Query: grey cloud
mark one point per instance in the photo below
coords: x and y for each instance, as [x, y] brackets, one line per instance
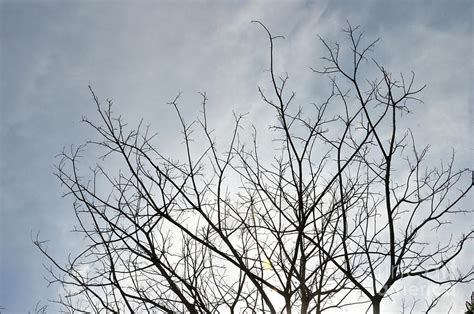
[142, 54]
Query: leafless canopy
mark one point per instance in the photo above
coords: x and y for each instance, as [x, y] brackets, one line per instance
[343, 211]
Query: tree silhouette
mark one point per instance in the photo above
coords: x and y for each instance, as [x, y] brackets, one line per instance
[343, 211]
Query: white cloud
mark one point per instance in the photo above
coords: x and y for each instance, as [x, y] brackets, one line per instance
[142, 54]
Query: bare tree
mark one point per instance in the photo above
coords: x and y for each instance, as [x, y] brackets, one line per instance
[224, 230]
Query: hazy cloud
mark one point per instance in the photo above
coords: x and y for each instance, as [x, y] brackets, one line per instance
[142, 53]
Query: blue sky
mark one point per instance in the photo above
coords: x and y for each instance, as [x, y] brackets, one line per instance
[142, 53]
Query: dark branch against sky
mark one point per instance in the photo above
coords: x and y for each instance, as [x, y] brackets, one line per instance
[142, 54]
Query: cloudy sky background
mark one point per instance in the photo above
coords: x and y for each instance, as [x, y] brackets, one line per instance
[142, 54]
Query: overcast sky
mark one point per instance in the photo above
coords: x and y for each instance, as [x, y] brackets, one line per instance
[142, 54]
